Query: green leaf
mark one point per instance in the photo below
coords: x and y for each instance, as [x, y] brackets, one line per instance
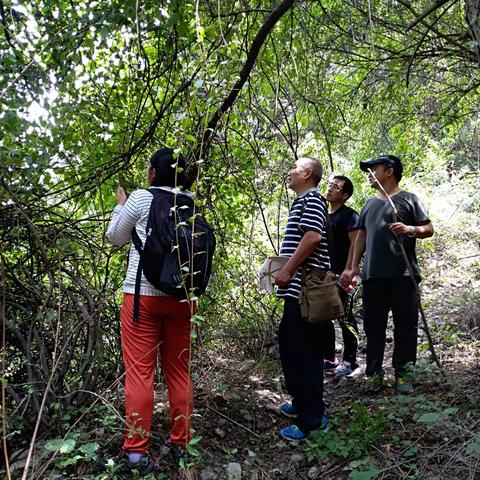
[430, 417]
[61, 445]
[473, 447]
[450, 411]
[370, 474]
[89, 450]
[68, 461]
[194, 440]
[411, 452]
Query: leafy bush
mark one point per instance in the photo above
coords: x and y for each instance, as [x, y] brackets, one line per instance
[68, 452]
[352, 434]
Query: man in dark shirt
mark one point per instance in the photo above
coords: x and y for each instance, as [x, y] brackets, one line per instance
[344, 221]
[385, 276]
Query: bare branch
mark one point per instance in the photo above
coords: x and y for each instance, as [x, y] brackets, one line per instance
[252, 55]
[430, 9]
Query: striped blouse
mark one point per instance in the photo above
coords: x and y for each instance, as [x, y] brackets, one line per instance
[308, 212]
[124, 218]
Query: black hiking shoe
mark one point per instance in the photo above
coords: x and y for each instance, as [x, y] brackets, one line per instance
[126, 468]
[178, 453]
[374, 383]
[403, 386]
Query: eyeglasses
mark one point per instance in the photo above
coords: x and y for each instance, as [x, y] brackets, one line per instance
[335, 187]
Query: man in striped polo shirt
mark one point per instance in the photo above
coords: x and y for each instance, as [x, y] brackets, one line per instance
[301, 351]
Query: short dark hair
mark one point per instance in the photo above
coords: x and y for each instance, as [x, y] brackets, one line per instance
[347, 185]
[166, 174]
[397, 167]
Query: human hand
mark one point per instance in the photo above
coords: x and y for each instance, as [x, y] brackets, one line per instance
[283, 277]
[400, 228]
[121, 196]
[346, 278]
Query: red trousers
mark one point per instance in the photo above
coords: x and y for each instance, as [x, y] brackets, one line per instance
[163, 326]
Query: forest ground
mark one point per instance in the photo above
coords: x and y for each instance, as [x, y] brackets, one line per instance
[432, 434]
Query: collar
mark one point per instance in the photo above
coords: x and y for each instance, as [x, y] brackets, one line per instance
[313, 189]
[337, 209]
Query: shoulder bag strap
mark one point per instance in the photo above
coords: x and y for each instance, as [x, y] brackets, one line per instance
[328, 229]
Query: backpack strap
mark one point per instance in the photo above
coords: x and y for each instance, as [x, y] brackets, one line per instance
[137, 243]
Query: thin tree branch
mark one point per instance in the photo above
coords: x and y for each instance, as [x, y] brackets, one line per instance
[428, 29]
[3, 379]
[470, 53]
[430, 9]
[252, 55]
[3, 22]
[55, 362]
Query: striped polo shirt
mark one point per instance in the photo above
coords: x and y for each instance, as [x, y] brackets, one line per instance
[134, 214]
[308, 212]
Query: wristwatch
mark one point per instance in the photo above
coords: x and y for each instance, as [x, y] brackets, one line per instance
[413, 234]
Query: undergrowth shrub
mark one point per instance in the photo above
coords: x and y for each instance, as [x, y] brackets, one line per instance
[352, 434]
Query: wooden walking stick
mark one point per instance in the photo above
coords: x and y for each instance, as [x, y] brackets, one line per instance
[412, 276]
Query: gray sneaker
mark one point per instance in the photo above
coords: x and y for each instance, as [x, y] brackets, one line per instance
[403, 386]
[344, 369]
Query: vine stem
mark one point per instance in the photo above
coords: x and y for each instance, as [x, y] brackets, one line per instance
[412, 276]
[233, 421]
[4, 376]
[55, 362]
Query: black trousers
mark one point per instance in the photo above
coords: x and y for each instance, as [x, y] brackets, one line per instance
[379, 297]
[349, 334]
[301, 354]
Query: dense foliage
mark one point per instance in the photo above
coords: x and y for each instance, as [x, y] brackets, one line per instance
[90, 89]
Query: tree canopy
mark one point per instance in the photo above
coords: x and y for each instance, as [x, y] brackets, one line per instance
[89, 90]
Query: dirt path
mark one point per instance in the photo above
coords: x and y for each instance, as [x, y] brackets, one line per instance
[238, 419]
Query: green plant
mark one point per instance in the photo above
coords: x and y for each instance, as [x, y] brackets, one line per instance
[193, 454]
[69, 452]
[423, 370]
[369, 474]
[352, 434]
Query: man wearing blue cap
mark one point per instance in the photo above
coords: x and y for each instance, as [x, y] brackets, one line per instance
[385, 275]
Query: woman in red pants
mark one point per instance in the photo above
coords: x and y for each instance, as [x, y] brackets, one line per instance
[163, 325]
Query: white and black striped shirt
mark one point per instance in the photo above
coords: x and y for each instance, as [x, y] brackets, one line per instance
[124, 218]
[308, 212]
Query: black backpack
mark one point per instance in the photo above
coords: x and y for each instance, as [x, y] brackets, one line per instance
[178, 252]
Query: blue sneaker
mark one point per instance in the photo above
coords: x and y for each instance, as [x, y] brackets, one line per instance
[292, 432]
[324, 426]
[346, 369]
[288, 410]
